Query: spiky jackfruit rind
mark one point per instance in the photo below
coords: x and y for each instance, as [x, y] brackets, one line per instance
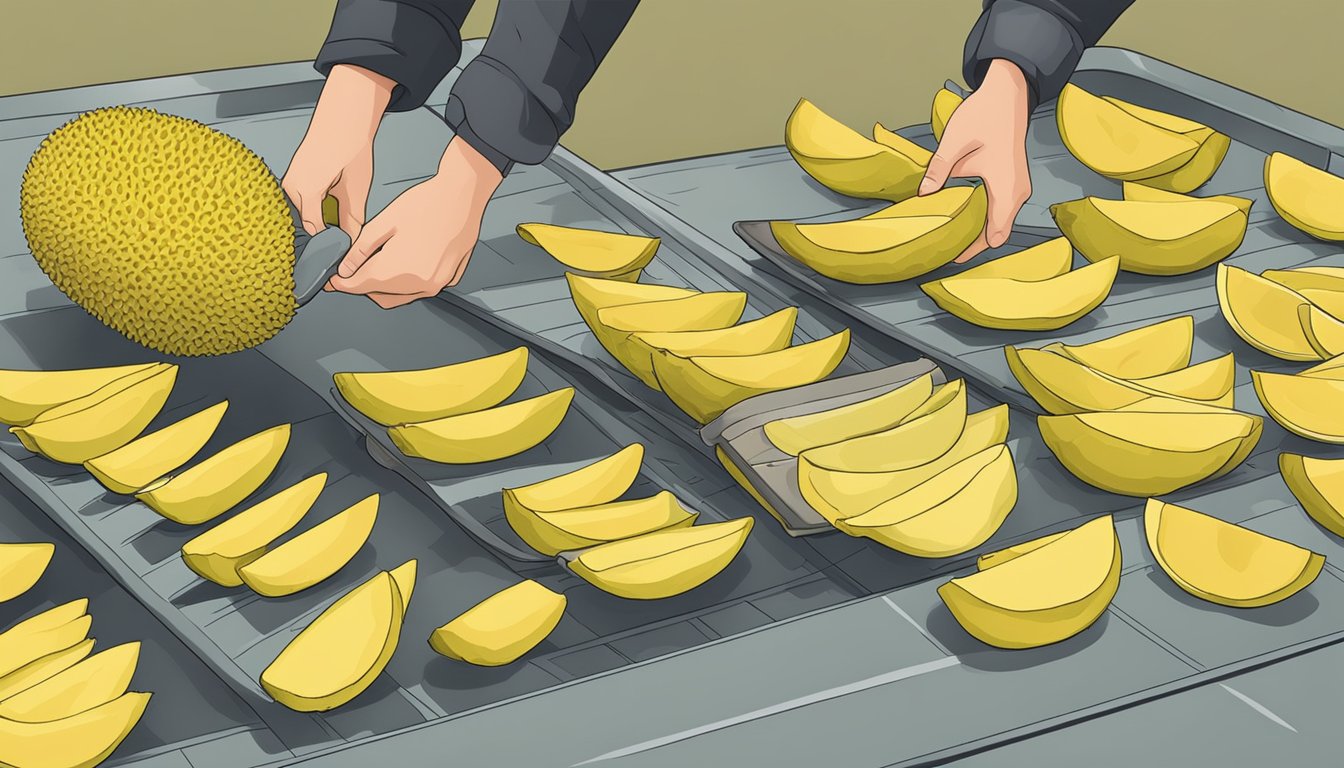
[168, 231]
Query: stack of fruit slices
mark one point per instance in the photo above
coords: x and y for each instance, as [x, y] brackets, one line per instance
[885, 167]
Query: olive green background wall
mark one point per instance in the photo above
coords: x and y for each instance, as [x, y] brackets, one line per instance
[693, 77]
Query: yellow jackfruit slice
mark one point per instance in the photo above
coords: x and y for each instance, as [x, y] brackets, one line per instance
[1309, 406]
[1044, 596]
[89, 683]
[894, 244]
[591, 294]
[702, 312]
[103, 426]
[1322, 286]
[704, 387]
[796, 434]
[1138, 354]
[113, 387]
[39, 636]
[1115, 143]
[1324, 332]
[215, 485]
[1264, 314]
[1141, 192]
[845, 161]
[945, 102]
[592, 252]
[766, 334]
[1152, 238]
[1225, 563]
[1150, 453]
[837, 495]
[663, 563]
[597, 483]
[1164, 120]
[1318, 485]
[21, 565]
[26, 394]
[948, 514]
[488, 435]
[140, 462]
[1305, 196]
[1007, 554]
[314, 555]
[342, 651]
[551, 533]
[52, 618]
[911, 443]
[79, 741]
[1008, 304]
[1042, 261]
[1062, 385]
[406, 397]
[40, 670]
[501, 628]
[218, 553]
[1198, 170]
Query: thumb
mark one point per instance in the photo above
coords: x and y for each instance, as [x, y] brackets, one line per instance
[352, 196]
[940, 168]
[371, 238]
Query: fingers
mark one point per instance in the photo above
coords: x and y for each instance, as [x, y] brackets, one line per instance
[371, 239]
[308, 201]
[974, 249]
[1006, 198]
[940, 168]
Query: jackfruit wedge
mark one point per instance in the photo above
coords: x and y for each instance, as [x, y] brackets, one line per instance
[1114, 142]
[142, 461]
[1044, 596]
[1062, 385]
[1165, 120]
[1305, 196]
[26, 394]
[102, 393]
[89, 683]
[218, 553]
[1198, 170]
[1007, 554]
[910, 444]
[1318, 485]
[1322, 286]
[704, 387]
[1324, 333]
[52, 618]
[40, 670]
[405, 397]
[79, 741]
[948, 514]
[1152, 350]
[1042, 261]
[404, 577]
[1330, 369]
[101, 427]
[945, 102]
[845, 161]
[1264, 314]
[1152, 238]
[591, 294]
[215, 485]
[702, 312]
[551, 533]
[1008, 304]
[596, 483]
[34, 638]
[837, 495]
[1150, 453]
[894, 244]
[590, 251]
[488, 435]
[21, 565]
[342, 651]
[796, 434]
[501, 628]
[663, 563]
[1310, 406]
[1226, 563]
[766, 334]
[1141, 192]
[314, 555]
[944, 394]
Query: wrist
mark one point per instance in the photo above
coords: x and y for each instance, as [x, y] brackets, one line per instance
[355, 98]
[462, 163]
[1005, 77]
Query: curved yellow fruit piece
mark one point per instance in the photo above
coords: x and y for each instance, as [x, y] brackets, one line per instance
[218, 483]
[1264, 314]
[342, 651]
[1044, 596]
[405, 397]
[1149, 453]
[553, 532]
[24, 395]
[119, 384]
[663, 563]
[314, 555]
[1042, 261]
[404, 577]
[591, 251]
[895, 244]
[79, 741]
[1318, 485]
[948, 201]
[702, 312]
[52, 618]
[1198, 170]
[1135, 191]
[34, 638]
[501, 628]
[140, 462]
[910, 444]
[945, 102]
[1152, 238]
[21, 565]
[104, 426]
[218, 553]
[704, 387]
[489, 435]
[591, 294]
[948, 514]
[1305, 196]
[83, 685]
[40, 670]
[796, 434]
[1164, 120]
[1062, 385]
[1330, 369]
[1309, 406]
[1322, 286]
[766, 334]
[1008, 554]
[596, 483]
[1225, 563]
[849, 163]
[1115, 143]
[1324, 333]
[1138, 354]
[1008, 304]
[837, 495]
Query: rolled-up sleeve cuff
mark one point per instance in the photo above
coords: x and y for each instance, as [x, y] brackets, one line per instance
[399, 42]
[499, 117]
[1044, 46]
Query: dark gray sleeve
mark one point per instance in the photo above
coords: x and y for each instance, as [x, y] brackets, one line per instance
[515, 100]
[1044, 38]
[414, 43]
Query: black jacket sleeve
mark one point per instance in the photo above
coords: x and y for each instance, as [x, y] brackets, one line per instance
[1044, 38]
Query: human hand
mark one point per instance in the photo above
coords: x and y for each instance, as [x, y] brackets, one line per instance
[336, 155]
[986, 137]
[421, 242]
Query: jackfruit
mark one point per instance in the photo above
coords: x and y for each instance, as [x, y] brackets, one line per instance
[168, 231]
[502, 627]
[702, 312]
[915, 440]
[1151, 350]
[945, 102]
[21, 565]
[24, 395]
[796, 434]
[1318, 485]
[1304, 405]
[1264, 314]
[1062, 385]
[489, 435]
[1114, 142]
[614, 255]
[208, 489]
[139, 463]
[766, 334]
[1322, 286]
[405, 397]
[847, 162]
[663, 563]
[81, 740]
[1007, 303]
[1153, 238]
[1305, 196]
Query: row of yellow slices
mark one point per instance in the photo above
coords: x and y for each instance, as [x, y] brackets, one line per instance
[60, 707]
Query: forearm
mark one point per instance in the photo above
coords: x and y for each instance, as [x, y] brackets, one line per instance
[354, 97]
